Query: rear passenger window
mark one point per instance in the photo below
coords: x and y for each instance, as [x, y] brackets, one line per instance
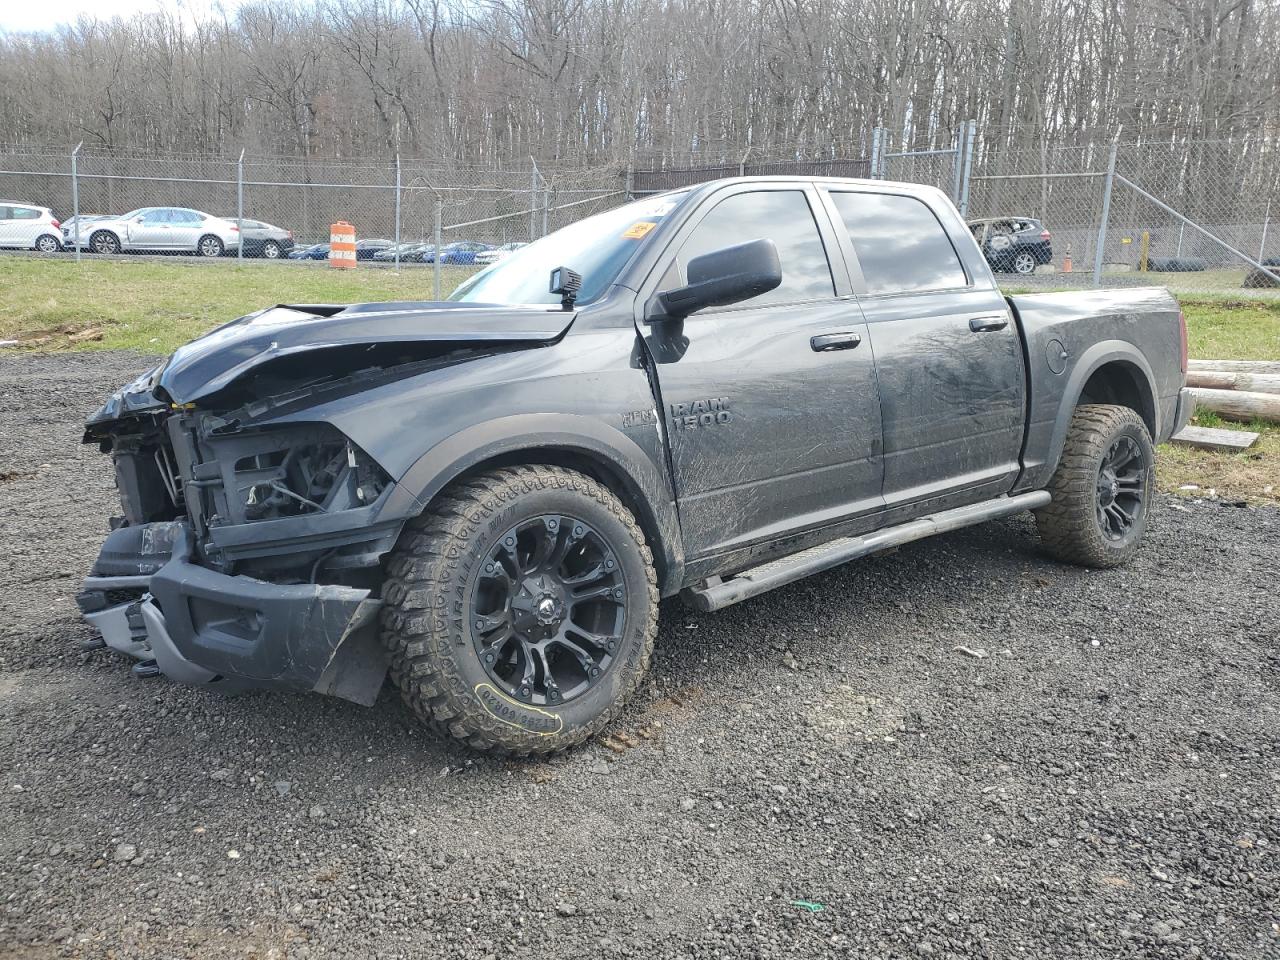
[900, 244]
[26, 213]
[782, 216]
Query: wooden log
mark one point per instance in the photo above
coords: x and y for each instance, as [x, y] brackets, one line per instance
[1236, 366]
[1226, 380]
[1211, 438]
[1235, 405]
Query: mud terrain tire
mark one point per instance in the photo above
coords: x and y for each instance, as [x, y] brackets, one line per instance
[436, 575]
[1079, 525]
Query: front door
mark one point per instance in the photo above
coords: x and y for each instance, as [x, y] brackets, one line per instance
[150, 230]
[771, 405]
[948, 355]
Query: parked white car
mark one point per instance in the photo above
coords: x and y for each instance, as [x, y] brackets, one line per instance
[160, 230]
[28, 227]
[497, 253]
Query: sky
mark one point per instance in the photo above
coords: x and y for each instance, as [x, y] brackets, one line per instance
[18, 16]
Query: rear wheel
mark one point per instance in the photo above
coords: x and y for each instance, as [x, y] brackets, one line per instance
[520, 611]
[271, 250]
[48, 243]
[209, 246]
[1024, 263]
[105, 243]
[1101, 489]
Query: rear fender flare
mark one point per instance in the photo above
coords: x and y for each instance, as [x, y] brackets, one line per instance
[1089, 362]
[648, 490]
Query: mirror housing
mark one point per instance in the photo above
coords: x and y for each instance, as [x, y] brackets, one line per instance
[722, 277]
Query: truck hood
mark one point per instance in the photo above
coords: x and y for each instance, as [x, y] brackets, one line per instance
[335, 334]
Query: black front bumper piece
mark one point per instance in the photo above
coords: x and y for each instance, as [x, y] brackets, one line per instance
[232, 633]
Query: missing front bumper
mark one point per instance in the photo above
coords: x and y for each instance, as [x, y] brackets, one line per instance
[150, 602]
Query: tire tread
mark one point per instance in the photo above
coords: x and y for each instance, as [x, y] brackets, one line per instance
[414, 624]
[1068, 526]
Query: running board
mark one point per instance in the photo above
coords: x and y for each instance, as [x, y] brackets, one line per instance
[715, 594]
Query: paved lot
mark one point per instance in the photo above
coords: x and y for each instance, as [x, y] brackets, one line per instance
[1105, 782]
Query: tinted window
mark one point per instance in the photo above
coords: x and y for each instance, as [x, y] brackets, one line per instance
[899, 242]
[181, 215]
[6, 213]
[782, 216]
[26, 213]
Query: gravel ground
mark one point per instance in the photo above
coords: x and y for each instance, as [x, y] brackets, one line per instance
[1102, 783]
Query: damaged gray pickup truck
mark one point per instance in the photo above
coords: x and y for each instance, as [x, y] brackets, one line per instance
[710, 393]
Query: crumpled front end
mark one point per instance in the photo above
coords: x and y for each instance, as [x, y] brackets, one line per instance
[197, 626]
[248, 553]
[253, 528]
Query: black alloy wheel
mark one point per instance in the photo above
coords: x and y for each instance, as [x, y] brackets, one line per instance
[549, 604]
[520, 610]
[1122, 477]
[1102, 488]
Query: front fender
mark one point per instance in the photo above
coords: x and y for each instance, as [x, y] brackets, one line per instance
[564, 433]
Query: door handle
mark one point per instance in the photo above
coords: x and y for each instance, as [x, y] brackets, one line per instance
[835, 341]
[987, 324]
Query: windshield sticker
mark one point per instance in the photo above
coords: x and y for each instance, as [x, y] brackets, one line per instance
[638, 230]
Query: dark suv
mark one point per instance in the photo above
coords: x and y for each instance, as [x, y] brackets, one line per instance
[1013, 244]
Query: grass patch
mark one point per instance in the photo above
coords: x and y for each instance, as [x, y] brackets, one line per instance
[1251, 475]
[1222, 328]
[1226, 328]
[157, 306]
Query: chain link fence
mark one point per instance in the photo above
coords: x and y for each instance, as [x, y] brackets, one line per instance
[402, 209]
[1195, 217]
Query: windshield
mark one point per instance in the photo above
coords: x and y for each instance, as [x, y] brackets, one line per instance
[597, 247]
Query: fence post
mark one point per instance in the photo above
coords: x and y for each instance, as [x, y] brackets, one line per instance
[1266, 222]
[397, 209]
[533, 201]
[240, 206]
[876, 133]
[546, 206]
[958, 172]
[1106, 213]
[75, 193]
[436, 259]
[966, 173]
[631, 181]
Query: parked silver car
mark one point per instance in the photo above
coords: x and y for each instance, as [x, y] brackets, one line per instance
[161, 230]
[28, 227]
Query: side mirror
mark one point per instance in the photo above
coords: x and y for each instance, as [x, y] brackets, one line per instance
[721, 277]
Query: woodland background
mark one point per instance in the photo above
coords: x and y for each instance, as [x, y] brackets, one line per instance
[613, 82]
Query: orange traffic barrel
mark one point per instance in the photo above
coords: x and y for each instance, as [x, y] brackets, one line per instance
[342, 245]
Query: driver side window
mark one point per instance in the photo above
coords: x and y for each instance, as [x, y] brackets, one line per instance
[782, 216]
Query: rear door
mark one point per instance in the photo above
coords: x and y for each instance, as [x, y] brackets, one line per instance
[7, 226]
[771, 407]
[185, 228]
[948, 355]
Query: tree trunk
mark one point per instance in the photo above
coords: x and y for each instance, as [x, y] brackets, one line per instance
[1234, 366]
[1234, 405]
[1226, 380]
